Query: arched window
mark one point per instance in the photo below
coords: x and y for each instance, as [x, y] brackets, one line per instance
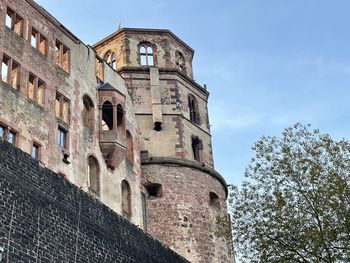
[107, 56]
[111, 58]
[107, 116]
[193, 108]
[129, 148]
[88, 112]
[180, 61]
[146, 54]
[126, 199]
[93, 176]
[214, 201]
[114, 61]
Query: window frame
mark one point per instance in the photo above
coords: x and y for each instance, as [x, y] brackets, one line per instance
[6, 131]
[39, 37]
[61, 130]
[10, 68]
[197, 148]
[36, 85]
[126, 207]
[38, 146]
[60, 57]
[193, 109]
[60, 115]
[146, 54]
[14, 17]
[95, 192]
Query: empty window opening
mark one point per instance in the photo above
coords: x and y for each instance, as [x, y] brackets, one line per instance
[88, 112]
[14, 22]
[10, 72]
[180, 61]
[62, 56]
[62, 107]
[196, 148]
[214, 200]
[126, 199]
[146, 55]
[38, 41]
[154, 190]
[62, 137]
[129, 148]
[35, 151]
[193, 108]
[36, 89]
[107, 116]
[157, 126]
[93, 176]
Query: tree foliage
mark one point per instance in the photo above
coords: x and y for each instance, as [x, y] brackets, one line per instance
[294, 205]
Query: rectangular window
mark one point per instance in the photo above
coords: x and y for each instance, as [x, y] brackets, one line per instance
[62, 107]
[62, 137]
[10, 72]
[11, 137]
[38, 41]
[14, 22]
[62, 56]
[36, 89]
[196, 148]
[35, 151]
[8, 135]
[2, 132]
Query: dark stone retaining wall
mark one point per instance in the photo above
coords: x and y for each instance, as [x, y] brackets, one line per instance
[45, 218]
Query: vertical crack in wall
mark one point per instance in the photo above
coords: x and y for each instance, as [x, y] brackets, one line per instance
[9, 235]
[78, 227]
[38, 237]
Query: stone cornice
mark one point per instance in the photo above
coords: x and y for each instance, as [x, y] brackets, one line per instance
[187, 163]
[174, 71]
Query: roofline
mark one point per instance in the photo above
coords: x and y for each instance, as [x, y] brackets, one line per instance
[143, 30]
[54, 21]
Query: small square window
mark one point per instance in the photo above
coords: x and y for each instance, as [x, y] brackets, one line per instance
[62, 137]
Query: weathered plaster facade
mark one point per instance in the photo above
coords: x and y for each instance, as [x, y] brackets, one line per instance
[126, 110]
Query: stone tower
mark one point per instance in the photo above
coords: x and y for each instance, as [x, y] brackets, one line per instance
[183, 196]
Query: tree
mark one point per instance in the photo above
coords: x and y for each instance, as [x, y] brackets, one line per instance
[294, 205]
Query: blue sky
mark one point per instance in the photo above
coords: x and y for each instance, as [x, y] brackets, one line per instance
[267, 64]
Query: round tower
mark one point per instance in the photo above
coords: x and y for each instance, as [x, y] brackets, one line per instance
[184, 197]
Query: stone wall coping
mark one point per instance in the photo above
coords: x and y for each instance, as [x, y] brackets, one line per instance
[187, 163]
